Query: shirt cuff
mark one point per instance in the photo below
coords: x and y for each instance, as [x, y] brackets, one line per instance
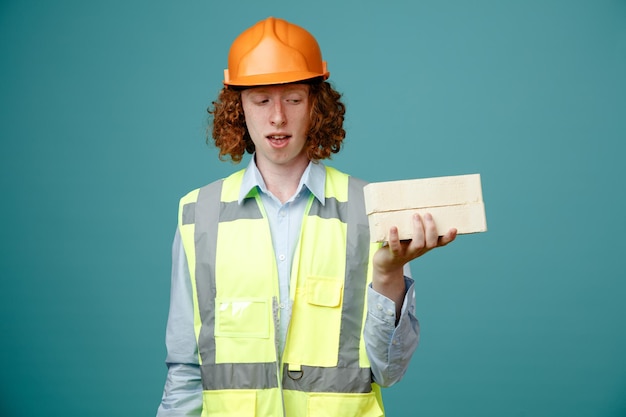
[384, 308]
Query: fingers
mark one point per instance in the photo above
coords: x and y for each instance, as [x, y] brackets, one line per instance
[447, 238]
[418, 232]
[430, 231]
[425, 235]
[394, 240]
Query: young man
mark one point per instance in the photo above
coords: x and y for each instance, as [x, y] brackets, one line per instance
[280, 305]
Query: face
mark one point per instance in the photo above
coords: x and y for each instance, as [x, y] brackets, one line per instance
[278, 119]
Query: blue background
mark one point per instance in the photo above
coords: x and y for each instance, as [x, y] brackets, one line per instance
[102, 126]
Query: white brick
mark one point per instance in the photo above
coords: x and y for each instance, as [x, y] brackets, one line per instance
[454, 201]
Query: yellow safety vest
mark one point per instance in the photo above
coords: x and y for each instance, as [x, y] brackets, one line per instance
[324, 369]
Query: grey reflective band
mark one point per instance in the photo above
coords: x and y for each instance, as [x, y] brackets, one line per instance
[316, 379]
[209, 212]
[239, 376]
[189, 213]
[232, 211]
[357, 260]
[348, 376]
[332, 209]
[205, 237]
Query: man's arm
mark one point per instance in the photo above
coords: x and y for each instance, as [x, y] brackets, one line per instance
[391, 329]
[182, 395]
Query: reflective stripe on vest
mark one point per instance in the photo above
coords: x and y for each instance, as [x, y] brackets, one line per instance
[213, 210]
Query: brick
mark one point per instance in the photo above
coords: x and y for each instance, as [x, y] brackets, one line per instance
[453, 201]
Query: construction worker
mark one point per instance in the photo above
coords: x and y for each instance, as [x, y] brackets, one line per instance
[280, 305]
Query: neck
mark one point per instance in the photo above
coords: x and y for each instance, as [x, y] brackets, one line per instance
[282, 181]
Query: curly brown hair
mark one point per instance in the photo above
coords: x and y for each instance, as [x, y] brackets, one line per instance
[325, 133]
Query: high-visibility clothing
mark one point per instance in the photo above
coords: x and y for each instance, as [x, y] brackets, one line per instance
[324, 369]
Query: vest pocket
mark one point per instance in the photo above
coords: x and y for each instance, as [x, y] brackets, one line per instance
[242, 317]
[325, 292]
[244, 330]
[313, 337]
[227, 403]
[344, 405]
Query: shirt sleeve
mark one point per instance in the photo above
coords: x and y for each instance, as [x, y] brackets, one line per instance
[390, 347]
[182, 395]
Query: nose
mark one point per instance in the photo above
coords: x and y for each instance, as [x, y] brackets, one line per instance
[277, 118]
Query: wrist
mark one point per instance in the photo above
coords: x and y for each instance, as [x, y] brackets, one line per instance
[389, 282]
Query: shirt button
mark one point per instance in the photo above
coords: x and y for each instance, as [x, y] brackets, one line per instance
[281, 257]
[379, 307]
[389, 312]
[281, 305]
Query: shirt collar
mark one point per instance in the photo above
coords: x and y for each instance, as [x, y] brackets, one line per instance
[313, 178]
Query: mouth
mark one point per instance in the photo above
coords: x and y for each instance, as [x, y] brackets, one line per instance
[278, 140]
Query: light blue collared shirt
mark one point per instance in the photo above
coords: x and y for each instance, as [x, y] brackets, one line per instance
[389, 346]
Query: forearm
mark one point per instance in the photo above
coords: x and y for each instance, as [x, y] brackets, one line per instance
[391, 285]
[182, 395]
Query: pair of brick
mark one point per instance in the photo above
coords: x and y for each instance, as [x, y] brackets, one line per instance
[454, 201]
